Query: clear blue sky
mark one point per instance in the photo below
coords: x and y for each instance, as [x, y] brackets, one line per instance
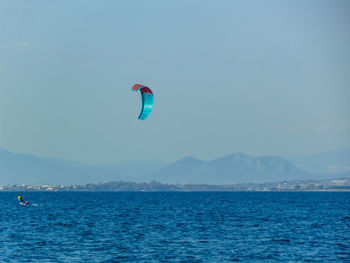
[259, 77]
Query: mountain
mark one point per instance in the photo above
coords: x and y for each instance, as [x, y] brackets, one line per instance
[230, 169]
[330, 162]
[29, 169]
[175, 171]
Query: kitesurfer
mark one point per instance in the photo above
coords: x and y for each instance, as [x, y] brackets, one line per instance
[20, 199]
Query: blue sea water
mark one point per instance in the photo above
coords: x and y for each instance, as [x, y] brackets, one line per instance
[175, 227]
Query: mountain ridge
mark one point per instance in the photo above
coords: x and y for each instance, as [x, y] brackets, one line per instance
[229, 169]
[19, 168]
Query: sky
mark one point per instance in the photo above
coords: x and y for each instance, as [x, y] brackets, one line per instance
[258, 77]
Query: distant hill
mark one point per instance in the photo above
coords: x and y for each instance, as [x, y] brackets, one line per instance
[230, 169]
[329, 162]
[30, 169]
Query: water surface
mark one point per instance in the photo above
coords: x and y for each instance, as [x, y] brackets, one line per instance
[175, 227]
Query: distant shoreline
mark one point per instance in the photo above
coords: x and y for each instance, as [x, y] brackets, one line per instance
[178, 191]
[123, 186]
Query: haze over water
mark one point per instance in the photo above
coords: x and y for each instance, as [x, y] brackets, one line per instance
[175, 227]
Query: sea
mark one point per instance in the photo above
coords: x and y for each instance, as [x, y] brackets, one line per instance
[175, 227]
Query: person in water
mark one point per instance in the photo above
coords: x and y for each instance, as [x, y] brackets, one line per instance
[20, 199]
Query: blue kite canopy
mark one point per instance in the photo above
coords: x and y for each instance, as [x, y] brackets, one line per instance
[147, 100]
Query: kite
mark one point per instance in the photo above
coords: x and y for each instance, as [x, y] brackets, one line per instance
[147, 100]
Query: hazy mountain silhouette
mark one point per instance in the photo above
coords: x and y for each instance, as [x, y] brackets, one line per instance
[325, 162]
[230, 169]
[29, 169]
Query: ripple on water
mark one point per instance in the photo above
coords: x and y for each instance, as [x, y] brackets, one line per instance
[173, 227]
